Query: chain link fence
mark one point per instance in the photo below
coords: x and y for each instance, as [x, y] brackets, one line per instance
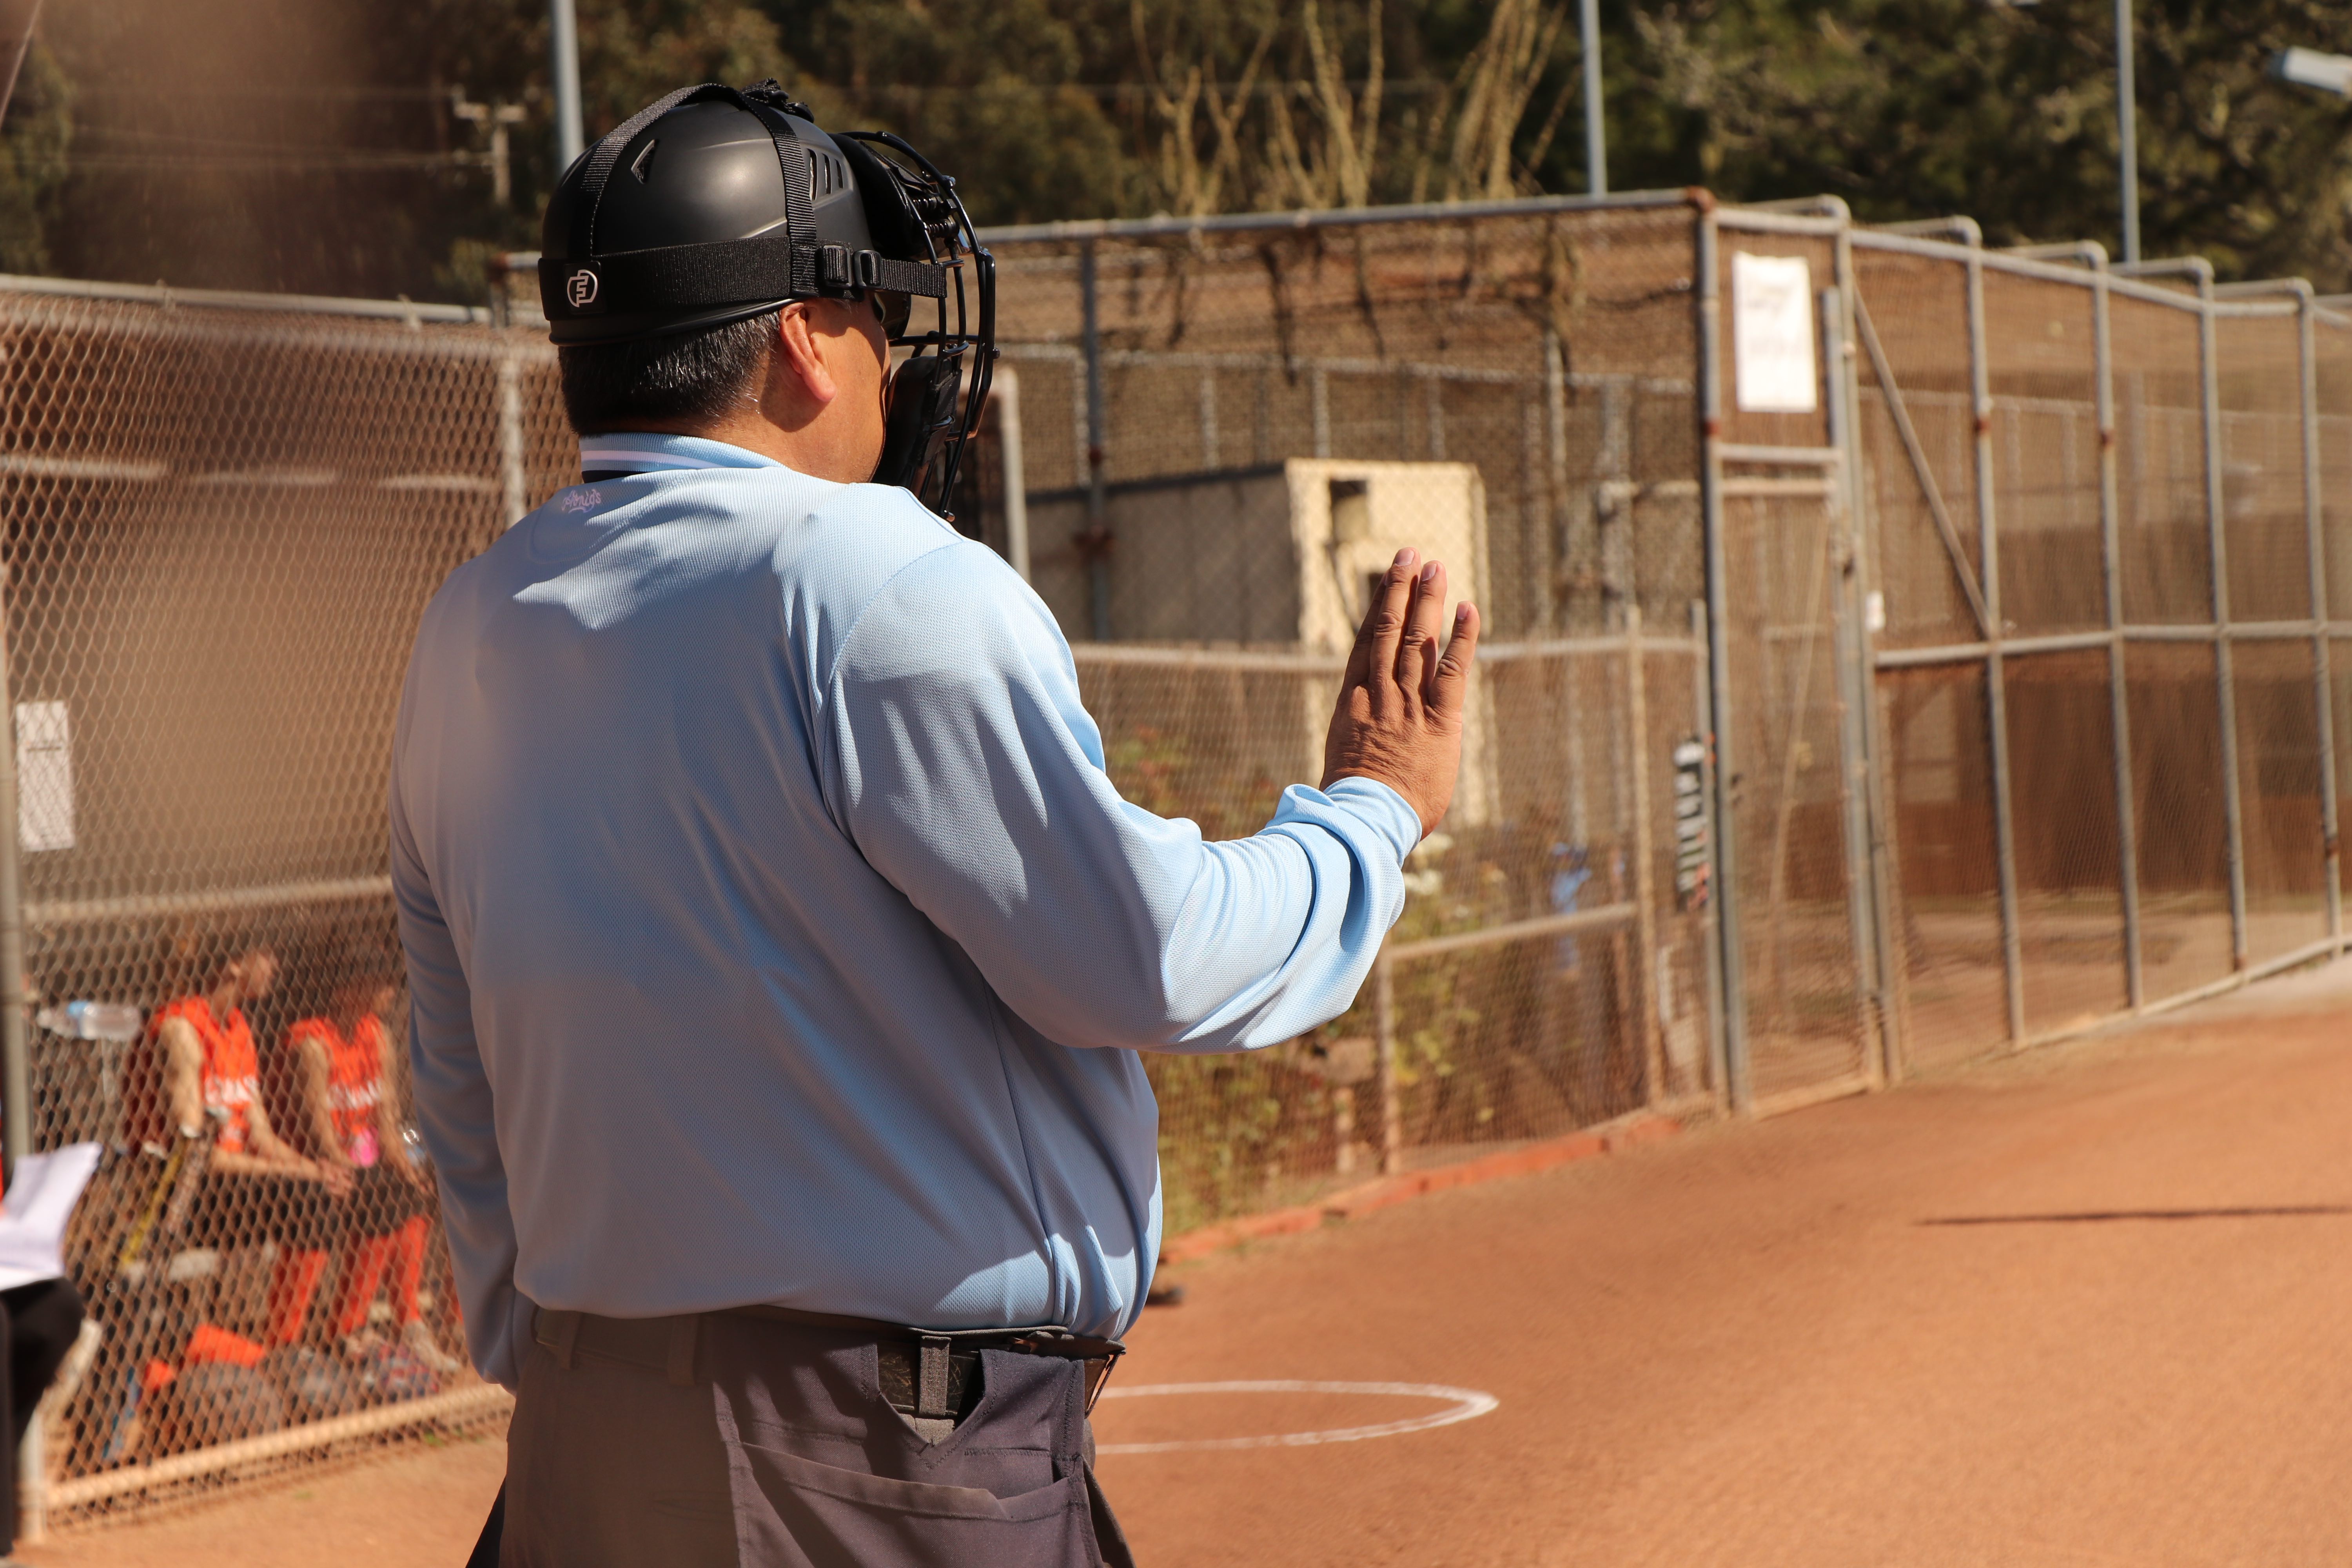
[1897, 651]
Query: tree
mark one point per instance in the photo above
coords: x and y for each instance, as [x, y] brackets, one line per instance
[33, 149]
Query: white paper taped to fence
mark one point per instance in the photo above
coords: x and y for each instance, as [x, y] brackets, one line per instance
[1773, 334]
[44, 803]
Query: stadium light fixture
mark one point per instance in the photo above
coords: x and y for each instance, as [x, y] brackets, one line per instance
[2310, 68]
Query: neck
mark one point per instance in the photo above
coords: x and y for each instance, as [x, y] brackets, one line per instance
[348, 1019]
[745, 428]
[222, 998]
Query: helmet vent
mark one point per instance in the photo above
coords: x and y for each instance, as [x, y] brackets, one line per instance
[642, 164]
[828, 176]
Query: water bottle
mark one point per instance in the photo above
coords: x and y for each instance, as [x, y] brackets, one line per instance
[115, 1021]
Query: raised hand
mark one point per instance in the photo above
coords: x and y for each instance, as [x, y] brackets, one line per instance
[1400, 714]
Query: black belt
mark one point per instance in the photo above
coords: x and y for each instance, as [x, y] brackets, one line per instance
[924, 1373]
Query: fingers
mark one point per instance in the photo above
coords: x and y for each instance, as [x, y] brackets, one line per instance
[1448, 691]
[1424, 623]
[1384, 626]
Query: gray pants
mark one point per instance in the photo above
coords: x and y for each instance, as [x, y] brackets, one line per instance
[739, 1440]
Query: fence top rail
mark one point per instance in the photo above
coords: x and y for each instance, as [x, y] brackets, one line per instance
[1248, 223]
[232, 300]
[2078, 276]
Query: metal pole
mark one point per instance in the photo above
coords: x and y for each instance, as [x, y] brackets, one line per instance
[2127, 130]
[1385, 1065]
[1097, 534]
[1556, 467]
[17, 19]
[513, 490]
[563, 51]
[2315, 547]
[1718, 1058]
[2208, 352]
[1739, 1076]
[2119, 683]
[2012, 955]
[1596, 144]
[1006, 389]
[1645, 878]
[1850, 644]
[1877, 777]
[16, 1044]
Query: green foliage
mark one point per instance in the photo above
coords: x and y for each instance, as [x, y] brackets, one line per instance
[1913, 107]
[1061, 109]
[34, 151]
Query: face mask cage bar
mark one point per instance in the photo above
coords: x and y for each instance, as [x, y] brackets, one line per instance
[926, 434]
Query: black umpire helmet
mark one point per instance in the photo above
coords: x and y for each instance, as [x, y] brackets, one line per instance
[716, 203]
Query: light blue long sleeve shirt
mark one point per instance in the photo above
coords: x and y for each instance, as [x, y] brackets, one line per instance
[775, 935]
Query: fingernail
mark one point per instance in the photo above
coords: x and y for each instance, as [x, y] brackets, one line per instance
[1462, 611]
[1429, 572]
[1407, 556]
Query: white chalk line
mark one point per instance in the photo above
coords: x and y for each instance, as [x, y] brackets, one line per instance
[1463, 1404]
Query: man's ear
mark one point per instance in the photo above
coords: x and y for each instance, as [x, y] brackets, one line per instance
[799, 360]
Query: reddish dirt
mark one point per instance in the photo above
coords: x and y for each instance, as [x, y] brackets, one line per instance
[1739, 1346]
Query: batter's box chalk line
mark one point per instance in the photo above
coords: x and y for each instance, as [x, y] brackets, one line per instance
[1462, 1404]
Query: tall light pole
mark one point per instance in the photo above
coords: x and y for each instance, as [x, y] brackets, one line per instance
[564, 47]
[1596, 148]
[16, 39]
[2127, 128]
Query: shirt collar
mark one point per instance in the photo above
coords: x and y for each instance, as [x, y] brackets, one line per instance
[632, 452]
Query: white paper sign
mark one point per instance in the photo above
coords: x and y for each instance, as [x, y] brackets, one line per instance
[42, 1193]
[44, 803]
[1773, 334]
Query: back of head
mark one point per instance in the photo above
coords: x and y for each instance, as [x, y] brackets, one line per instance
[670, 244]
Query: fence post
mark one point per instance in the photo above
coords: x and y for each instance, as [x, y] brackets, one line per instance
[16, 1044]
[1006, 388]
[514, 492]
[2209, 366]
[1739, 1079]
[1095, 542]
[2012, 955]
[1850, 644]
[1646, 880]
[1556, 466]
[1385, 1064]
[2315, 548]
[1718, 1060]
[33, 1482]
[2111, 569]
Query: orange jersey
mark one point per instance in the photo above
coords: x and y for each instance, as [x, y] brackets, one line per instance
[354, 1080]
[231, 1073]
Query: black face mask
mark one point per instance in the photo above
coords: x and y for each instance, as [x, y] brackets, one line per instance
[937, 396]
[922, 434]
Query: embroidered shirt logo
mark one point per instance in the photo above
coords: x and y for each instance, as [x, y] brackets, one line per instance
[581, 500]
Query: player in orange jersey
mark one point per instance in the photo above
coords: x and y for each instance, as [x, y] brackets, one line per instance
[257, 1188]
[347, 1075]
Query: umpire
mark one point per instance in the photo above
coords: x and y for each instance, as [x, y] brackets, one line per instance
[781, 951]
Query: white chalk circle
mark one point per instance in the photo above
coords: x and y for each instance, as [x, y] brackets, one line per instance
[1462, 1404]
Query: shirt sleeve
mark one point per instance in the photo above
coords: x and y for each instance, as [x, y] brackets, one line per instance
[963, 763]
[454, 1113]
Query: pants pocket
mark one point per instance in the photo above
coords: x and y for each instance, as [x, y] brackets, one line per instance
[797, 1513]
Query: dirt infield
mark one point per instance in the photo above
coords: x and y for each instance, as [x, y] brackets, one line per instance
[2080, 1307]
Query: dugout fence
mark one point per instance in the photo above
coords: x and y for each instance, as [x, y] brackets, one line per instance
[1898, 651]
